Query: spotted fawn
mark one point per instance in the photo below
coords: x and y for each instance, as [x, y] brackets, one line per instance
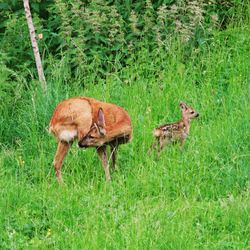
[174, 132]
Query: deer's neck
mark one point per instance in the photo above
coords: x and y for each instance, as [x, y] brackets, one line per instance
[186, 123]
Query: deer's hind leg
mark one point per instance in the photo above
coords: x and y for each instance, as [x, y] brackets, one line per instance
[62, 150]
[83, 130]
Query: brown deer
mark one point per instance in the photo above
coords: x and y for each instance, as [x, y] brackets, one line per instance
[94, 124]
[174, 132]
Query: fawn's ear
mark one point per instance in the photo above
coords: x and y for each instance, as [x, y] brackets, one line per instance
[101, 122]
[183, 105]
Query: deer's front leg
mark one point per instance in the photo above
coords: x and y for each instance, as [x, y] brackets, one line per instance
[113, 150]
[102, 153]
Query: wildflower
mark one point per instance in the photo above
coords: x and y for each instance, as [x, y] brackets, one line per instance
[48, 233]
[40, 36]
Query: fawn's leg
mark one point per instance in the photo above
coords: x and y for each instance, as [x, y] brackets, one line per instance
[113, 149]
[162, 143]
[62, 150]
[182, 142]
[153, 146]
[103, 157]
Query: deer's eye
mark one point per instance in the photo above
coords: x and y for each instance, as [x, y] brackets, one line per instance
[192, 112]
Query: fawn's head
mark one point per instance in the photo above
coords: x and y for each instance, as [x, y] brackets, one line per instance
[96, 133]
[188, 112]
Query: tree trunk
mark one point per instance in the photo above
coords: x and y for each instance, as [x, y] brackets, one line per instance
[34, 44]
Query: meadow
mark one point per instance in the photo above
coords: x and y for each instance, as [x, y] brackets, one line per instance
[195, 198]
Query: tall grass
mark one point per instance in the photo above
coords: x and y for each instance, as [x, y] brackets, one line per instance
[195, 198]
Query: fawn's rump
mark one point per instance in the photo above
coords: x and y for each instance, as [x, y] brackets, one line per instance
[157, 132]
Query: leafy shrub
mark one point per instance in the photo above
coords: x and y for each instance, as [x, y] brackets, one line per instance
[98, 34]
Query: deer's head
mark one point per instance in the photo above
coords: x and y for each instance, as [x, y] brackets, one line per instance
[95, 136]
[188, 112]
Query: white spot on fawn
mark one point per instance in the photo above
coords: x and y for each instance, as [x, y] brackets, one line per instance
[68, 135]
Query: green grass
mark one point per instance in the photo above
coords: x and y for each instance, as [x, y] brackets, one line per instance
[197, 198]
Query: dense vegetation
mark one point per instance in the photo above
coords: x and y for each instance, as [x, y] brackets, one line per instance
[145, 56]
[101, 35]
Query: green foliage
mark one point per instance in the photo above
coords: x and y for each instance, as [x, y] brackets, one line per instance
[98, 34]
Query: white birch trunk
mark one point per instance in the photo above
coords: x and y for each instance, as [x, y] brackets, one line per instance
[34, 44]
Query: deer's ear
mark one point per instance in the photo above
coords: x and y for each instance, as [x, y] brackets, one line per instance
[101, 122]
[183, 105]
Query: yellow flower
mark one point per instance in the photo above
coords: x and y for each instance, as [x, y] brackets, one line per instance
[48, 233]
[40, 36]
